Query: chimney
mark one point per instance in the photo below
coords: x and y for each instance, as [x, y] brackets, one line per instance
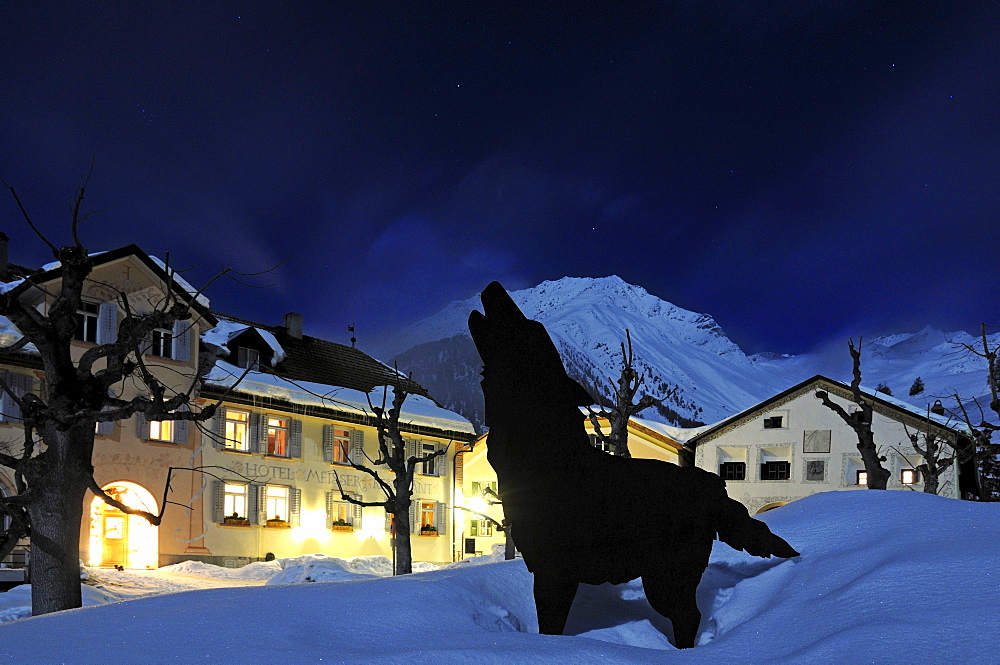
[293, 324]
[3, 256]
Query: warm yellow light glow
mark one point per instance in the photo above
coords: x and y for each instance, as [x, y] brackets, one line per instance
[909, 477]
[312, 524]
[862, 477]
[476, 503]
[116, 538]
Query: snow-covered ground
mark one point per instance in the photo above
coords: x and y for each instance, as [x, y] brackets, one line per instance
[884, 577]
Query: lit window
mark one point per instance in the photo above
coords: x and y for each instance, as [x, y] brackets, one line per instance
[341, 446]
[428, 514]
[236, 430]
[862, 477]
[161, 430]
[86, 322]
[733, 470]
[342, 514]
[908, 476]
[277, 503]
[277, 437]
[162, 344]
[775, 471]
[773, 422]
[235, 500]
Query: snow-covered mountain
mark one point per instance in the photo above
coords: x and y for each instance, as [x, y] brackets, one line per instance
[686, 357]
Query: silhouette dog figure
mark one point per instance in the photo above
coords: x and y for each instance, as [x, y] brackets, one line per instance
[580, 515]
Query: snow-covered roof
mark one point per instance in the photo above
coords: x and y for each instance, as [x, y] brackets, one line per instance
[227, 330]
[417, 410]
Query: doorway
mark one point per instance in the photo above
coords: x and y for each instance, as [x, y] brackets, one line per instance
[119, 539]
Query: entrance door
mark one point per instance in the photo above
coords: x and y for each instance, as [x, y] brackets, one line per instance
[115, 537]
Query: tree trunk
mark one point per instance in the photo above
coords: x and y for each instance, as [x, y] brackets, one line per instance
[508, 545]
[878, 476]
[56, 512]
[404, 555]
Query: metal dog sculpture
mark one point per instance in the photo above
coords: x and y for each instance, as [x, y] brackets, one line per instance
[580, 515]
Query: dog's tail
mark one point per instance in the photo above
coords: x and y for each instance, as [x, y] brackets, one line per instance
[742, 532]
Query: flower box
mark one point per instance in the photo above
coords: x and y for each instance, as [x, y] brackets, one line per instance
[235, 521]
[342, 527]
[277, 524]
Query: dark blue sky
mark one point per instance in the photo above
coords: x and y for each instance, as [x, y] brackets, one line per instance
[801, 171]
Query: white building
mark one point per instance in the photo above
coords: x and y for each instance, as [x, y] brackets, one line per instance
[791, 446]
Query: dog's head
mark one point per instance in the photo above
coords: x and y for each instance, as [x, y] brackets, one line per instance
[520, 362]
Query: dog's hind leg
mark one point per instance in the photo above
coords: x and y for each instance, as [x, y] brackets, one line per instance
[676, 600]
[553, 598]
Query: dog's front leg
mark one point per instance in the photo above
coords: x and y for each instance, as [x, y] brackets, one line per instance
[553, 597]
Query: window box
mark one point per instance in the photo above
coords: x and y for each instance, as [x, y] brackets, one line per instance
[429, 531]
[277, 523]
[236, 521]
[341, 526]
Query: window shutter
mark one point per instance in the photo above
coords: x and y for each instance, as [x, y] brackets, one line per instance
[295, 438]
[412, 447]
[256, 503]
[414, 516]
[255, 428]
[181, 427]
[260, 446]
[182, 340]
[141, 425]
[474, 528]
[107, 323]
[476, 489]
[358, 447]
[219, 428]
[294, 507]
[106, 428]
[219, 500]
[442, 517]
[441, 461]
[359, 512]
[329, 504]
[328, 443]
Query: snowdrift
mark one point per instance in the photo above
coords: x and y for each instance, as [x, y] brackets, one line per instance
[884, 577]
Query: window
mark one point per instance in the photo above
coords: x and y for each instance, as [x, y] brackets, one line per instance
[431, 466]
[234, 502]
[908, 476]
[482, 528]
[276, 503]
[484, 489]
[596, 442]
[428, 517]
[815, 470]
[236, 431]
[733, 470]
[773, 422]
[161, 430]
[248, 358]
[862, 478]
[277, 437]
[162, 343]
[341, 446]
[342, 513]
[775, 471]
[86, 322]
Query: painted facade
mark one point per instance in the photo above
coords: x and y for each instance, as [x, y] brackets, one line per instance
[284, 454]
[792, 446]
[477, 535]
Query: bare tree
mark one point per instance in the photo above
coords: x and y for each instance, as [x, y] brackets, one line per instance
[624, 406]
[53, 468]
[399, 490]
[861, 423]
[937, 454]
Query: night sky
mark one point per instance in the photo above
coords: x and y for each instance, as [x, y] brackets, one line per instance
[803, 171]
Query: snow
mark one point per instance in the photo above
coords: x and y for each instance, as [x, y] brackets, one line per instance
[417, 410]
[226, 330]
[883, 577]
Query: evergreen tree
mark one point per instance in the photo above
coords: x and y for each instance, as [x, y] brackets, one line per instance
[917, 387]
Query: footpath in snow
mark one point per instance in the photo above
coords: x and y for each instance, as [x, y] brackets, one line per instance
[884, 577]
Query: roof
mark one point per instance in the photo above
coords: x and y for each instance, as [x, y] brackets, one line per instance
[878, 399]
[53, 271]
[324, 362]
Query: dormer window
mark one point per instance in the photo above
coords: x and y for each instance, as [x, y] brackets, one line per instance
[248, 358]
